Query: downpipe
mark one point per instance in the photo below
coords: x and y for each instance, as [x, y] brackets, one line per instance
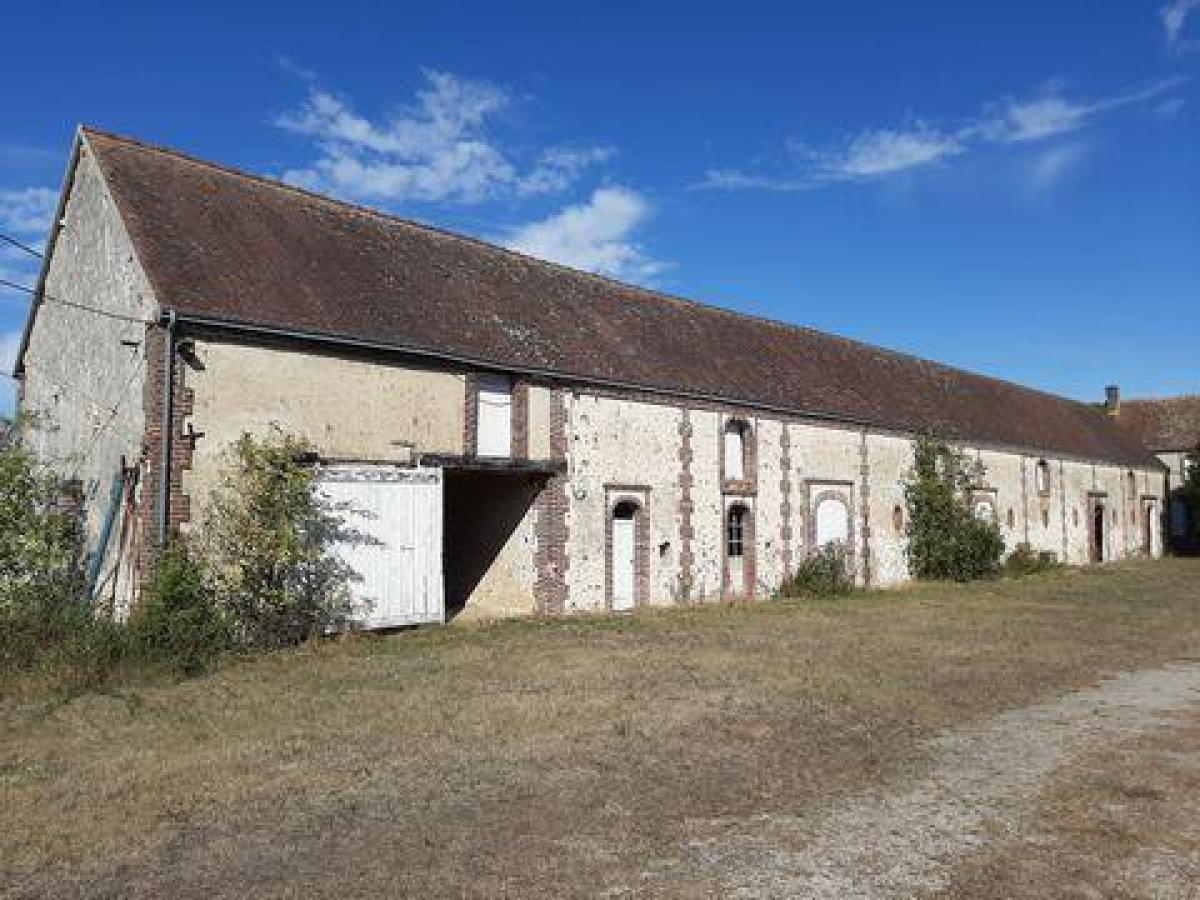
[165, 436]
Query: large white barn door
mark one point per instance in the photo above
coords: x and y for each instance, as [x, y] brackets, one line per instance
[398, 512]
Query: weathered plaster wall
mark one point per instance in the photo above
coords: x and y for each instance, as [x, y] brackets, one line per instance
[84, 371]
[346, 407]
[890, 459]
[621, 449]
[768, 506]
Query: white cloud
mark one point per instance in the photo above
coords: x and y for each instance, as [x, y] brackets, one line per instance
[1051, 114]
[877, 153]
[1174, 16]
[1050, 166]
[596, 236]
[437, 148]
[27, 211]
[1170, 107]
[885, 151]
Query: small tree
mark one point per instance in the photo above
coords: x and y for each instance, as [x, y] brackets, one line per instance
[1189, 493]
[39, 536]
[946, 540]
[267, 538]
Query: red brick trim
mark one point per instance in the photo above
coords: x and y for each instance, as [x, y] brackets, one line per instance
[687, 532]
[785, 494]
[470, 414]
[551, 524]
[179, 510]
[747, 485]
[864, 478]
[520, 420]
[637, 495]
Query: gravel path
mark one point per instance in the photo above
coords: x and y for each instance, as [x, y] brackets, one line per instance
[982, 788]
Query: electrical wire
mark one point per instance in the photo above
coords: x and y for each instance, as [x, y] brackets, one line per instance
[19, 245]
[73, 305]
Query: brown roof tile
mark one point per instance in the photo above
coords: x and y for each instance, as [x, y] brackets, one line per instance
[221, 243]
[1166, 424]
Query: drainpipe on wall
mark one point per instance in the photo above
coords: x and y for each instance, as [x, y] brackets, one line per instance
[164, 484]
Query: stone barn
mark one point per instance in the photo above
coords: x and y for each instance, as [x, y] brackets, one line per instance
[529, 438]
[1170, 427]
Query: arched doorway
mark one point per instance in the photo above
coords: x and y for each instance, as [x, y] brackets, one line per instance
[623, 556]
[832, 522]
[1098, 523]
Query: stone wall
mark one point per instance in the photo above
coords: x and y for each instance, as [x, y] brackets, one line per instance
[85, 371]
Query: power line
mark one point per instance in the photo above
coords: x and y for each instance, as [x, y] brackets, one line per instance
[73, 305]
[20, 246]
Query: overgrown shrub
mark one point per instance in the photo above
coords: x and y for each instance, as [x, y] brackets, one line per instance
[268, 536]
[1024, 561]
[180, 621]
[40, 576]
[824, 574]
[946, 541]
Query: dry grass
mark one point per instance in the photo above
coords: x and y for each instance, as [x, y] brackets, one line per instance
[1122, 822]
[540, 758]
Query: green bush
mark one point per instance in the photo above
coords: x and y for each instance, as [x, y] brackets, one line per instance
[268, 536]
[179, 622]
[1024, 561]
[946, 541]
[824, 574]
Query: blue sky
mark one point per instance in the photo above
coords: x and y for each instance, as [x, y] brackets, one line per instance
[1009, 187]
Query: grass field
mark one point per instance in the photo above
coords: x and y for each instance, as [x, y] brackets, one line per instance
[564, 758]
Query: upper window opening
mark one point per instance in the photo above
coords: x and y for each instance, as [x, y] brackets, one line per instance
[735, 531]
[1042, 477]
[626, 509]
[494, 419]
[735, 449]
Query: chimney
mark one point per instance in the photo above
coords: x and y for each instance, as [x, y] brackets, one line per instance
[1112, 399]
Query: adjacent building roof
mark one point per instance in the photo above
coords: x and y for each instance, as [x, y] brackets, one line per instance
[220, 243]
[1165, 425]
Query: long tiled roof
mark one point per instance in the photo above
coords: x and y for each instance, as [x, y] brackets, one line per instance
[220, 243]
[1167, 424]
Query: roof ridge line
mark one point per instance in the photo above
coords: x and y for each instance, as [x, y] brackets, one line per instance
[644, 292]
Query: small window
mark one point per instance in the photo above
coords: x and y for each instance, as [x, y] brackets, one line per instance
[898, 518]
[1011, 518]
[735, 531]
[1042, 477]
[1075, 517]
[735, 450]
[1045, 518]
[493, 421]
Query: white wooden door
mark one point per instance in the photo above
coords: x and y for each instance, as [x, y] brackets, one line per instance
[494, 419]
[623, 563]
[833, 522]
[398, 516]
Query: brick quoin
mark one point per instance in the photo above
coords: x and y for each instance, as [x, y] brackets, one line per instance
[686, 506]
[550, 527]
[179, 511]
[785, 503]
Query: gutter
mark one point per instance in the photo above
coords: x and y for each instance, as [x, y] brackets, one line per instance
[168, 397]
[237, 326]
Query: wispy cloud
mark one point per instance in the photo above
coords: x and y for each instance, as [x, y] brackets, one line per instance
[1174, 18]
[1052, 165]
[876, 153]
[437, 148]
[596, 236]
[27, 211]
[1050, 114]
[882, 152]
